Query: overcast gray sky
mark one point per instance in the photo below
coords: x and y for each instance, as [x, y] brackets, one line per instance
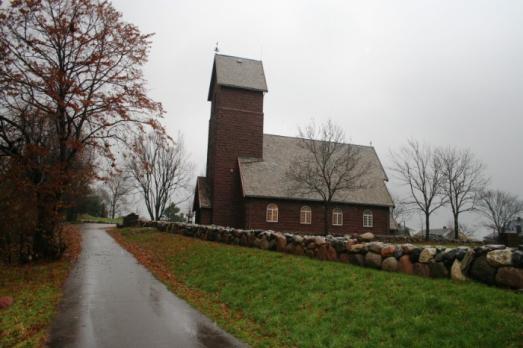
[443, 72]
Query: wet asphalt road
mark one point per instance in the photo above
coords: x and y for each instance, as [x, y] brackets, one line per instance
[111, 300]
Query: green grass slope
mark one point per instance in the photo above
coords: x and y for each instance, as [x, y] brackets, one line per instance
[302, 302]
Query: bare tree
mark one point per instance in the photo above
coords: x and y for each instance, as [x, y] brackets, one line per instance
[401, 211]
[499, 208]
[117, 187]
[462, 180]
[416, 167]
[328, 165]
[160, 169]
[465, 230]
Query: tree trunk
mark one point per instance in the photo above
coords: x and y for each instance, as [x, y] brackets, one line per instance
[113, 209]
[326, 218]
[501, 232]
[22, 255]
[151, 215]
[427, 226]
[148, 205]
[456, 226]
[46, 241]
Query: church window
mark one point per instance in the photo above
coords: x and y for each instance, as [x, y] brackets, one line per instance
[305, 215]
[337, 217]
[368, 219]
[272, 213]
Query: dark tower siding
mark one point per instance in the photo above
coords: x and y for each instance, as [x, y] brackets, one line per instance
[235, 130]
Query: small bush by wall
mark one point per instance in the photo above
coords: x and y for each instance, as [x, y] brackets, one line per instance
[490, 264]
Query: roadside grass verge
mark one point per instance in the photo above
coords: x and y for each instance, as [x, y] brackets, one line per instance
[36, 290]
[271, 299]
[86, 218]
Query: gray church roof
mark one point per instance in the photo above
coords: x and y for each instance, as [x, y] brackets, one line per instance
[267, 178]
[238, 72]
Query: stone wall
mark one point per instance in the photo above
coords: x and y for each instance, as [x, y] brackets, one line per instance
[491, 264]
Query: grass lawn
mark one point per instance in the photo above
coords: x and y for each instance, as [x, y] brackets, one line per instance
[36, 290]
[96, 219]
[270, 299]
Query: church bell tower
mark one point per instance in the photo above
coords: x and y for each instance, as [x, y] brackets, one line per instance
[235, 130]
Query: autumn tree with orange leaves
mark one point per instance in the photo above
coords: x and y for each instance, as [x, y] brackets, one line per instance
[71, 88]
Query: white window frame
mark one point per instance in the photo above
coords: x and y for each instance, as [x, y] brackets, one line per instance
[337, 217]
[305, 215]
[368, 219]
[271, 213]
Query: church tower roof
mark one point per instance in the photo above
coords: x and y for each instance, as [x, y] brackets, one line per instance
[237, 72]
